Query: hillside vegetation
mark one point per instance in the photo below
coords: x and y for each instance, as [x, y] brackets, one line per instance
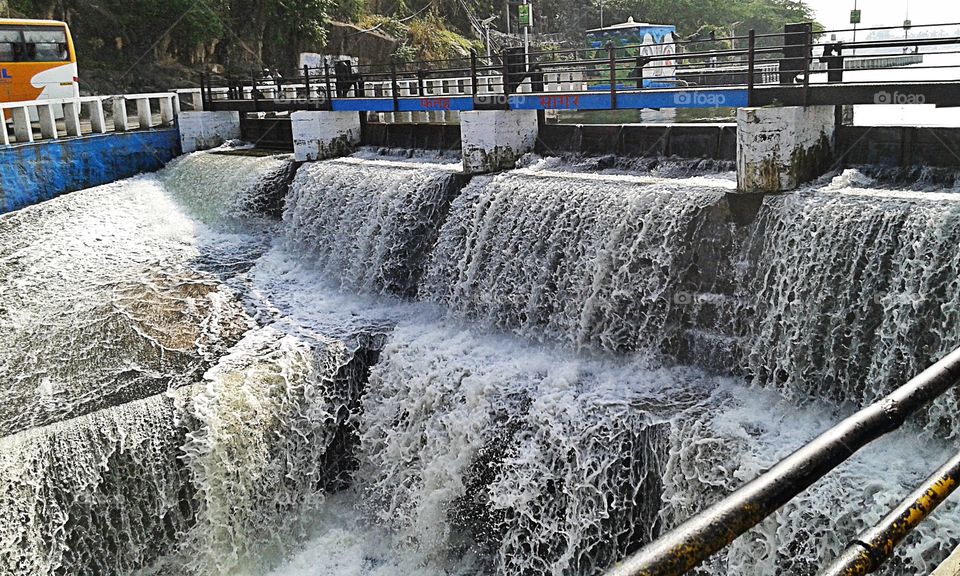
[154, 44]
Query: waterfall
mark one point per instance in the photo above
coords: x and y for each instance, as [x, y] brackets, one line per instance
[591, 260]
[272, 431]
[838, 292]
[226, 187]
[103, 493]
[377, 367]
[111, 312]
[490, 456]
[369, 225]
[851, 291]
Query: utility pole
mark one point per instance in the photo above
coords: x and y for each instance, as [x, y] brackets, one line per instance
[907, 24]
[526, 18]
[486, 22]
[855, 19]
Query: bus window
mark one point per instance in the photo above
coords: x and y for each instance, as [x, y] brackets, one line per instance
[9, 44]
[45, 45]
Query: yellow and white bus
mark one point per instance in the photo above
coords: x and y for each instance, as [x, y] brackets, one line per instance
[37, 61]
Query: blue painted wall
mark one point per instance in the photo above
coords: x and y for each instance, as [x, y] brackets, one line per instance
[593, 100]
[33, 173]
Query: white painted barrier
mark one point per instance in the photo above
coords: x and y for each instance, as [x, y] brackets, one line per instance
[85, 107]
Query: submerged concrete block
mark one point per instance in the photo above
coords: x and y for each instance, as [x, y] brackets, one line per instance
[321, 135]
[779, 149]
[205, 130]
[495, 139]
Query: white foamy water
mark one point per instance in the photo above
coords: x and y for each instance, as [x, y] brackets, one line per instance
[593, 260]
[371, 224]
[853, 289]
[101, 303]
[480, 453]
[544, 410]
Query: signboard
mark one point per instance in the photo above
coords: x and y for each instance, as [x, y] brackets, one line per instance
[526, 15]
[855, 16]
[907, 24]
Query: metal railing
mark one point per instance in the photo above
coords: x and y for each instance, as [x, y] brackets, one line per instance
[799, 58]
[692, 542]
[875, 546]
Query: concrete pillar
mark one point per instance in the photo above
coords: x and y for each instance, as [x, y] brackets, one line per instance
[98, 122]
[120, 114]
[385, 90]
[167, 113]
[144, 114]
[22, 127]
[205, 130]
[448, 88]
[196, 98]
[48, 121]
[433, 88]
[321, 135]
[779, 149]
[495, 139]
[405, 92]
[71, 117]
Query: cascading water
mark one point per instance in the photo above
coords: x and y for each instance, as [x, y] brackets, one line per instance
[100, 304]
[370, 224]
[851, 289]
[108, 452]
[487, 456]
[300, 418]
[587, 259]
[103, 493]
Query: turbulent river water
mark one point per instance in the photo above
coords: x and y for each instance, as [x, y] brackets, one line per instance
[375, 367]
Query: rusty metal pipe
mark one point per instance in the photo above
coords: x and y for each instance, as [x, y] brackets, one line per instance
[706, 533]
[875, 546]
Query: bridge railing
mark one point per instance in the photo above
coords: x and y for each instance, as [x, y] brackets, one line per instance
[72, 117]
[763, 65]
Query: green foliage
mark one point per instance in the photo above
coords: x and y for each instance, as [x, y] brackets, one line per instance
[389, 25]
[429, 39]
[424, 37]
[128, 35]
[690, 16]
[192, 32]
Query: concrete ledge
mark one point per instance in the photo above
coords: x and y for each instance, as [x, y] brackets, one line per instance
[321, 135]
[32, 173]
[205, 130]
[780, 148]
[494, 140]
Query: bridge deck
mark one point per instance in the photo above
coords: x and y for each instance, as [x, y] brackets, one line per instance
[943, 94]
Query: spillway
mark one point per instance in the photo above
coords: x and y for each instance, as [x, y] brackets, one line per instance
[380, 367]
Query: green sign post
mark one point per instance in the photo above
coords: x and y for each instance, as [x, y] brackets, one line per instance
[855, 16]
[526, 15]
